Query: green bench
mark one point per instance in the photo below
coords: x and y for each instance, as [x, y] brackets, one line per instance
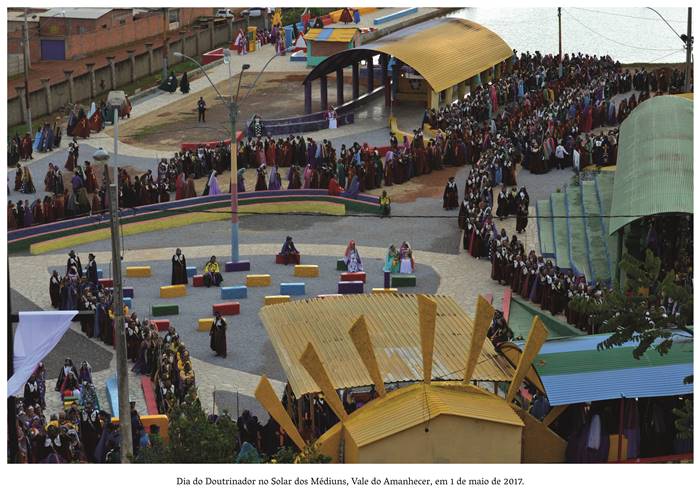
[340, 265]
[403, 280]
[165, 309]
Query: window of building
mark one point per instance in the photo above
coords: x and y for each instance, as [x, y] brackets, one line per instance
[174, 15]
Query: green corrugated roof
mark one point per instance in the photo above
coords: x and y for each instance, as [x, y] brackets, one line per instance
[655, 161]
[585, 361]
[520, 320]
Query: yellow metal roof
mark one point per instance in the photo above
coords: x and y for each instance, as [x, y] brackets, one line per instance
[331, 34]
[444, 51]
[416, 404]
[392, 321]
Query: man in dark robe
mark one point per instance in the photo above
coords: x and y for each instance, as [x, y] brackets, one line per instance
[90, 430]
[184, 83]
[179, 272]
[289, 250]
[68, 367]
[449, 197]
[218, 335]
[55, 290]
[92, 269]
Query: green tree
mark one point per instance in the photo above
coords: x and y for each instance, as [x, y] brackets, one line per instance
[193, 438]
[634, 313]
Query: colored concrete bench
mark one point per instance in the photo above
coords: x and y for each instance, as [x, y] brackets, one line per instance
[161, 324]
[172, 291]
[277, 299]
[128, 291]
[191, 271]
[387, 279]
[385, 290]
[226, 308]
[149, 395]
[128, 302]
[306, 270]
[293, 288]
[359, 276]
[204, 324]
[234, 292]
[100, 273]
[106, 282]
[340, 265]
[346, 287]
[165, 309]
[198, 280]
[237, 266]
[258, 280]
[113, 395]
[288, 259]
[138, 272]
[400, 280]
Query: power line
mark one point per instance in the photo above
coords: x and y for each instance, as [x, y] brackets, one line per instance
[618, 42]
[624, 15]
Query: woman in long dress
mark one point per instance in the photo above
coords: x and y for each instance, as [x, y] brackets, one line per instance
[391, 264]
[407, 262]
[352, 258]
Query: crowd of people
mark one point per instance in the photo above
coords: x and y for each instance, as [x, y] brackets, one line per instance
[539, 120]
[83, 432]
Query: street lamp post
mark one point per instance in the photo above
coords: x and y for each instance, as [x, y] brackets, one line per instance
[232, 104]
[126, 449]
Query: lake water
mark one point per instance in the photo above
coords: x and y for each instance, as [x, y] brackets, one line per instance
[626, 34]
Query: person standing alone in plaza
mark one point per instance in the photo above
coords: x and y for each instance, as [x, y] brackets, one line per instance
[218, 335]
[201, 109]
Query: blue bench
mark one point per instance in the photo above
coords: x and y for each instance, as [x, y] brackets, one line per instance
[128, 291]
[128, 302]
[292, 288]
[191, 271]
[237, 266]
[234, 292]
[113, 395]
[395, 15]
[99, 273]
[346, 287]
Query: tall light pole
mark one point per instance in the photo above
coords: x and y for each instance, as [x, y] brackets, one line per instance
[232, 103]
[561, 57]
[27, 63]
[166, 21]
[688, 50]
[126, 448]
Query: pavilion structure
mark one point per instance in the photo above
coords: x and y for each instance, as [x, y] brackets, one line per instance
[435, 62]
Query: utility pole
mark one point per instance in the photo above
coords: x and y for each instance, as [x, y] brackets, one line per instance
[689, 51]
[561, 59]
[120, 338]
[165, 43]
[12, 442]
[26, 64]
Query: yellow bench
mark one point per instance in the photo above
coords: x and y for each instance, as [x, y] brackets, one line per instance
[306, 270]
[171, 291]
[204, 324]
[258, 280]
[277, 299]
[385, 290]
[138, 271]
